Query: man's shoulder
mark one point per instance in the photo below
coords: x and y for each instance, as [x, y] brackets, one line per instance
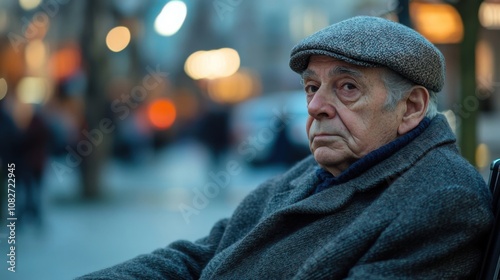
[435, 157]
[446, 163]
[444, 168]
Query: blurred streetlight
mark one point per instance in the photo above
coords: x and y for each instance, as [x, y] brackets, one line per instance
[118, 38]
[439, 23]
[65, 62]
[162, 113]
[489, 15]
[3, 88]
[212, 64]
[171, 18]
[32, 90]
[485, 66]
[233, 89]
[36, 56]
[29, 4]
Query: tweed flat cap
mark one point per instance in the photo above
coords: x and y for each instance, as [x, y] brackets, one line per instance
[375, 42]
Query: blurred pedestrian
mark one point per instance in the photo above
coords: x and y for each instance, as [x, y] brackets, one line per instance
[9, 136]
[214, 132]
[9, 142]
[32, 158]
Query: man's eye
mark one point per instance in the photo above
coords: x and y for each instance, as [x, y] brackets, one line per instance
[348, 86]
[311, 88]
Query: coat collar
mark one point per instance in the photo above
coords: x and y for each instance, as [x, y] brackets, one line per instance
[371, 159]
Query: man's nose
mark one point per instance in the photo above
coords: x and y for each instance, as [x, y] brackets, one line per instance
[321, 105]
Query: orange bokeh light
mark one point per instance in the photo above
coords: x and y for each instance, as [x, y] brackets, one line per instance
[439, 23]
[162, 113]
[66, 62]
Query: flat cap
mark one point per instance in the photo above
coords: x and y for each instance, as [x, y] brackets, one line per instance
[375, 42]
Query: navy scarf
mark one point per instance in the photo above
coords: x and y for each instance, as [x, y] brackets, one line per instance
[326, 179]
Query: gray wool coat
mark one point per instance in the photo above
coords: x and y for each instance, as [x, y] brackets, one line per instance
[423, 213]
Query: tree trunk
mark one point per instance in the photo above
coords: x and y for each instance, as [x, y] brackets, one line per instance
[93, 49]
[469, 103]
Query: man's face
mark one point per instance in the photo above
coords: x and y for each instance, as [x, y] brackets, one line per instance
[347, 118]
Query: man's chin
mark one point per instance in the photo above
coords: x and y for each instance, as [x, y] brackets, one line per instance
[330, 159]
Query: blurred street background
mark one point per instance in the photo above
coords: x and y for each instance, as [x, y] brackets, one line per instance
[132, 124]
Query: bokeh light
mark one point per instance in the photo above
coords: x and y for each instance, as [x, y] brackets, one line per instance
[489, 15]
[162, 113]
[32, 90]
[3, 88]
[65, 62]
[212, 64]
[439, 23]
[171, 18]
[118, 38]
[482, 156]
[13, 60]
[36, 55]
[29, 4]
[485, 66]
[233, 89]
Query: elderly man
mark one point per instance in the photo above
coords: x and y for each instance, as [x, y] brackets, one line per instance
[385, 194]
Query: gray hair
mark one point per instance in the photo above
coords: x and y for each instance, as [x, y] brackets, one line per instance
[399, 87]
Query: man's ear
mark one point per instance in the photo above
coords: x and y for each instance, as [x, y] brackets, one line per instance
[415, 108]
